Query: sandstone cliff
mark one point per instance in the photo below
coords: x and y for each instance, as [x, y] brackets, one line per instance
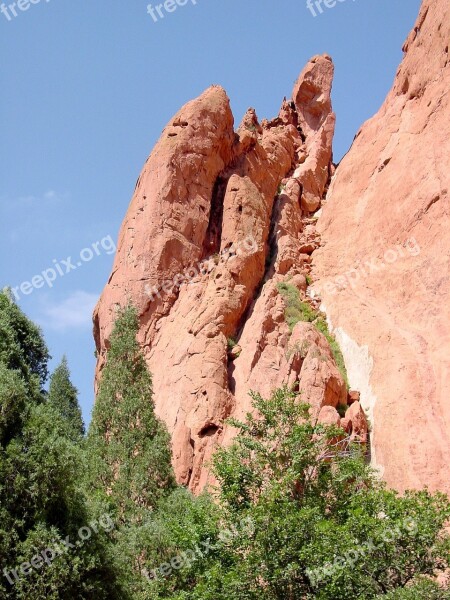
[224, 255]
[384, 267]
[218, 220]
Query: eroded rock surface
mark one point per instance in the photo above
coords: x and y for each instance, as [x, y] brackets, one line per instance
[384, 266]
[222, 248]
[218, 219]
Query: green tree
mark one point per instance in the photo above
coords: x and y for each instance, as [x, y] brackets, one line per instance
[41, 497]
[23, 368]
[129, 446]
[63, 397]
[322, 526]
[177, 533]
[129, 449]
[422, 589]
[22, 347]
[13, 401]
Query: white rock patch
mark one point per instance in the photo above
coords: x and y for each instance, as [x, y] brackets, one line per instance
[359, 365]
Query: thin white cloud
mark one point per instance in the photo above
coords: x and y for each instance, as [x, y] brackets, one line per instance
[48, 199]
[30, 213]
[74, 312]
[51, 195]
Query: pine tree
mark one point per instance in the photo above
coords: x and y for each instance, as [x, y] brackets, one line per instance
[63, 397]
[22, 347]
[128, 444]
[42, 501]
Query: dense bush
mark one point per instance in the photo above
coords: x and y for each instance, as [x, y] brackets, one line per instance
[296, 515]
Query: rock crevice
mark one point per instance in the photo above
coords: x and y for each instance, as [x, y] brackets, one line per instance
[228, 259]
[218, 220]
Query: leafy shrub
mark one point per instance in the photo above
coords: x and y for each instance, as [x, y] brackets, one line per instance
[296, 310]
[231, 343]
[305, 521]
[423, 589]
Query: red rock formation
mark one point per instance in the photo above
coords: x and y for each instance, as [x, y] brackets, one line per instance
[388, 294]
[355, 423]
[312, 98]
[211, 200]
[220, 219]
[168, 217]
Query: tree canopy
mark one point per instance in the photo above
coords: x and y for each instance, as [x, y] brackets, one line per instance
[299, 515]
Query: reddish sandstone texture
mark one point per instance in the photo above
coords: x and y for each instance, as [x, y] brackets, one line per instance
[221, 217]
[218, 218]
[385, 228]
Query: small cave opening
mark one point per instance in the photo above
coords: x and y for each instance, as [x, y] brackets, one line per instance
[208, 430]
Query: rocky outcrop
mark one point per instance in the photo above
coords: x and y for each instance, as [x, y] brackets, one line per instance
[383, 271]
[218, 220]
[228, 259]
[166, 223]
[312, 99]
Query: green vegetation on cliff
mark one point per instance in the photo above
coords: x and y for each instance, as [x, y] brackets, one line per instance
[297, 310]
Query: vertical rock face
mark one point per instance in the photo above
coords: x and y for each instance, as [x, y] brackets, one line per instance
[218, 219]
[220, 242]
[166, 223]
[384, 268]
[312, 98]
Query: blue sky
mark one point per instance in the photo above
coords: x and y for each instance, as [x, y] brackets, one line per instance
[87, 89]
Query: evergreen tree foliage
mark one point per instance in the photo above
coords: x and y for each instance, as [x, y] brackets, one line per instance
[296, 513]
[22, 347]
[13, 402]
[129, 451]
[129, 446]
[42, 501]
[63, 397]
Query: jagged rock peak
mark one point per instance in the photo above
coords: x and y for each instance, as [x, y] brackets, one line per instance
[218, 220]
